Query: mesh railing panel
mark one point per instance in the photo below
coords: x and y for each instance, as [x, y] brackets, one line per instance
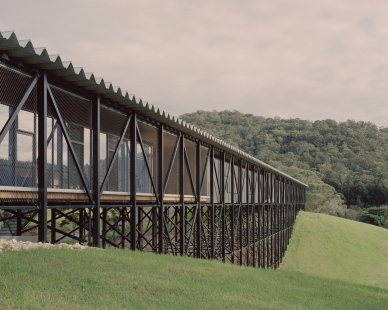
[111, 125]
[113, 180]
[204, 170]
[123, 167]
[149, 136]
[103, 157]
[217, 178]
[243, 188]
[18, 148]
[192, 159]
[228, 180]
[236, 182]
[170, 141]
[73, 108]
[112, 121]
[13, 84]
[76, 115]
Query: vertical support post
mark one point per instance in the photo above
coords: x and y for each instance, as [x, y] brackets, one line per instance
[42, 156]
[266, 224]
[232, 210]
[254, 211]
[123, 212]
[18, 222]
[81, 223]
[285, 217]
[248, 185]
[285, 214]
[222, 177]
[182, 218]
[259, 219]
[53, 225]
[288, 213]
[160, 188]
[282, 219]
[262, 219]
[199, 208]
[240, 217]
[293, 203]
[133, 142]
[212, 217]
[154, 228]
[140, 236]
[276, 220]
[271, 219]
[96, 171]
[104, 219]
[12, 148]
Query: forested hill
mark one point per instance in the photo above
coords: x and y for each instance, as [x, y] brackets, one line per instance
[350, 156]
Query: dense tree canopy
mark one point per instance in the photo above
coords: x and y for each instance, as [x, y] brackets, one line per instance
[349, 156]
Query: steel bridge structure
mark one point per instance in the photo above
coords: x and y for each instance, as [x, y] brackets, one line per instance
[83, 160]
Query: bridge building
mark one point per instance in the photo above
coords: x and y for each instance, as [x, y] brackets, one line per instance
[82, 159]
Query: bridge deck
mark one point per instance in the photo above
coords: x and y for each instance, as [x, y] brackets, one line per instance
[31, 193]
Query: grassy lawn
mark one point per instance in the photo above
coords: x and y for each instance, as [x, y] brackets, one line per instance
[339, 249]
[118, 279]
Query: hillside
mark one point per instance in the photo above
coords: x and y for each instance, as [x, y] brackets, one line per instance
[339, 249]
[350, 156]
[345, 268]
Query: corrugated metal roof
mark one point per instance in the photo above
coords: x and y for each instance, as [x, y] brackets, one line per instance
[40, 58]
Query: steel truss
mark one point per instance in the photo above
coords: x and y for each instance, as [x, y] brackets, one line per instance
[237, 212]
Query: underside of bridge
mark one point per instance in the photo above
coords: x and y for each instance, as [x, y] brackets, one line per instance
[82, 160]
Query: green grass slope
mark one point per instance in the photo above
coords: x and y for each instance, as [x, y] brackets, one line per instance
[339, 249]
[117, 279]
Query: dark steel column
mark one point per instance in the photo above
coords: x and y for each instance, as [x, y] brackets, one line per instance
[104, 226]
[266, 223]
[282, 218]
[160, 188]
[12, 146]
[82, 223]
[240, 217]
[199, 208]
[212, 236]
[277, 240]
[96, 172]
[133, 155]
[247, 213]
[18, 222]
[222, 177]
[259, 219]
[287, 213]
[53, 225]
[271, 219]
[123, 213]
[275, 222]
[231, 208]
[182, 196]
[254, 212]
[42, 156]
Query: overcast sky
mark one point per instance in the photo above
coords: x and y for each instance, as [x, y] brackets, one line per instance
[301, 58]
